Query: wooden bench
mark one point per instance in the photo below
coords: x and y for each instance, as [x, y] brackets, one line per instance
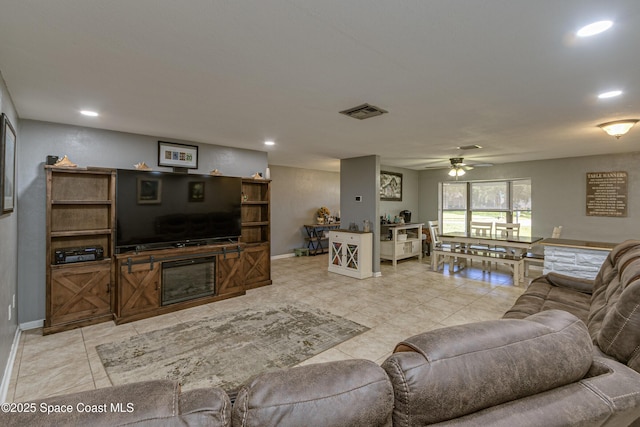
[451, 254]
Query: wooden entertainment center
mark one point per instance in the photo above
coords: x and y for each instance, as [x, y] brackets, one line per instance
[81, 213]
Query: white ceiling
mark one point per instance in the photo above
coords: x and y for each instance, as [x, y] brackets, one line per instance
[505, 74]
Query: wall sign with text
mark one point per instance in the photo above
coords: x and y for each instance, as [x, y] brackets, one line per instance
[607, 194]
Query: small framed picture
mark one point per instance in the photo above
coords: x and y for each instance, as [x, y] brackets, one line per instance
[177, 155]
[7, 165]
[149, 191]
[391, 186]
[196, 191]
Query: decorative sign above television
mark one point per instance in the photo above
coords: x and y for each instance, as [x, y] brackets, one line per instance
[607, 194]
[177, 155]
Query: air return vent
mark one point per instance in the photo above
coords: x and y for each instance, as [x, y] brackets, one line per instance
[363, 111]
[469, 147]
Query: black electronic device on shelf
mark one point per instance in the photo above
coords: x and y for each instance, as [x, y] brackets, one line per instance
[78, 254]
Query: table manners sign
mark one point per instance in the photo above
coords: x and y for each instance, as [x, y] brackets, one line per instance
[607, 194]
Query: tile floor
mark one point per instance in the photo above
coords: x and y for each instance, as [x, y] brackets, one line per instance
[402, 302]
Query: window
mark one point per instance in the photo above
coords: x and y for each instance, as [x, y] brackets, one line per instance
[487, 201]
[454, 207]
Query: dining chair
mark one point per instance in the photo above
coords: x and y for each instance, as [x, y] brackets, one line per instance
[507, 229]
[436, 242]
[480, 229]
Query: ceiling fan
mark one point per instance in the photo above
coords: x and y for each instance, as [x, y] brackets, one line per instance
[458, 167]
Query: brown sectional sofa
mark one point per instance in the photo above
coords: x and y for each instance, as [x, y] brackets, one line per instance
[567, 353]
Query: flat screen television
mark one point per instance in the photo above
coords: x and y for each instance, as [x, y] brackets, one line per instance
[164, 209]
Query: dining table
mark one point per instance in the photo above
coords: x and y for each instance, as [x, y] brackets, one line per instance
[487, 248]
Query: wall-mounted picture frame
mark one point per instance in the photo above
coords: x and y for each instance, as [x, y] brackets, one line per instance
[177, 155]
[196, 191]
[391, 186]
[7, 165]
[149, 191]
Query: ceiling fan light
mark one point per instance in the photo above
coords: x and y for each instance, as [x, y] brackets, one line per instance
[452, 172]
[460, 172]
[618, 127]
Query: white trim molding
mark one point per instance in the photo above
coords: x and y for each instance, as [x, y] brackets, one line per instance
[6, 378]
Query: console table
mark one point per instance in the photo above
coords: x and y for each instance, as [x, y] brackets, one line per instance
[318, 237]
[576, 258]
[350, 253]
[402, 241]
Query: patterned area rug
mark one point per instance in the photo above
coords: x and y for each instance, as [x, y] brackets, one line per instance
[227, 349]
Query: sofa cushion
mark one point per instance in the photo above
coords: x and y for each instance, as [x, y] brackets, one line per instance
[343, 393]
[614, 318]
[451, 372]
[545, 294]
[157, 402]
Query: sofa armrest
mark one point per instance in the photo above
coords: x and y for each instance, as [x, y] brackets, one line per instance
[147, 402]
[452, 372]
[569, 282]
[608, 396]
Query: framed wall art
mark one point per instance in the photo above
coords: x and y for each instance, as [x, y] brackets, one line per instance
[177, 155]
[391, 186]
[7, 165]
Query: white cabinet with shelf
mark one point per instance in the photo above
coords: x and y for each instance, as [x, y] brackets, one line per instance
[402, 241]
[350, 253]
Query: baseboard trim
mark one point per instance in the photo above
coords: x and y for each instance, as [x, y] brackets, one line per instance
[377, 274]
[291, 255]
[35, 324]
[6, 378]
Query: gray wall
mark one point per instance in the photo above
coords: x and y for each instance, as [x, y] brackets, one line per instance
[8, 249]
[89, 147]
[410, 194]
[558, 194]
[360, 176]
[296, 196]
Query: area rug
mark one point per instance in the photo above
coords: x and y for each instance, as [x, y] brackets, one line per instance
[227, 349]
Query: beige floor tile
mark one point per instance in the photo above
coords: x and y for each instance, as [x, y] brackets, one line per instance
[127, 330]
[402, 302]
[330, 355]
[53, 381]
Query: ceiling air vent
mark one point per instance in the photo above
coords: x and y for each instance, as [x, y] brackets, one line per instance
[469, 147]
[363, 111]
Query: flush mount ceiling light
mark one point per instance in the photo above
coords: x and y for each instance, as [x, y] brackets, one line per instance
[610, 94]
[269, 143]
[593, 29]
[89, 113]
[618, 127]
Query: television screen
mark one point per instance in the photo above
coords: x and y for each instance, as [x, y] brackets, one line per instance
[156, 209]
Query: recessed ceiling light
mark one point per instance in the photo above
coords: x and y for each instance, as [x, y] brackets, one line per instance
[610, 94]
[89, 113]
[593, 29]
[269, 143]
